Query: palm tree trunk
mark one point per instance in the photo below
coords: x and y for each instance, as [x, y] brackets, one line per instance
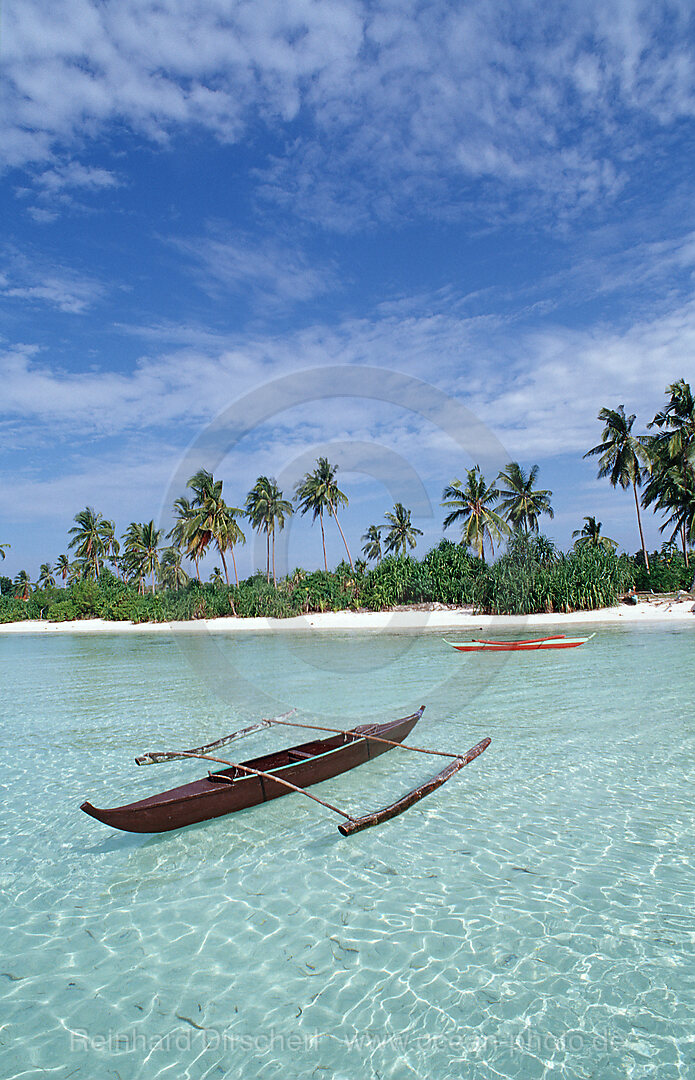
[480, 538]
[274, 580]
[197, 569]
[236, 575]
[639, 525]
[342, 534]
[224, 563]
[323, 541]
[267, 555]
[685, 548]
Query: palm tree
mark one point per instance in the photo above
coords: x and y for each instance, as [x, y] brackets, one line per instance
[91, 538]
[213, 519]
[309, 497]
[401, 532]
[63, 566]
[677, 423]
[226, 534]
[672, 453]
[216, 577]
[266, 510]
[141, 547]
[206, 519]
[46, 578]
[113, 549]
[590, 536]
[473, 506]
[372, 538]
[131, 561]
[2, 550]
[182, 530]
[672, 490]
[171, 573]
[151, 537]
[318, 492]
[683, 519]
[76, 571]
[23, 583]
[622, 457]
[198, 534]
[520, 503]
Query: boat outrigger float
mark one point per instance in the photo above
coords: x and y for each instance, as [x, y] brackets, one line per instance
[247, 783]
[557, 642]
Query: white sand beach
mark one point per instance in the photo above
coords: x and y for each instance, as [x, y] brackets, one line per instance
[462, 619]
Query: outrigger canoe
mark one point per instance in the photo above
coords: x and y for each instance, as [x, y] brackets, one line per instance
[532, 644]
[268, 777]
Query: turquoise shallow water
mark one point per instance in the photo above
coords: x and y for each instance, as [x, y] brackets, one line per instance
[532, 918]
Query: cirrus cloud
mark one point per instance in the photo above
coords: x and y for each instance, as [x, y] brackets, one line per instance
[382, 109]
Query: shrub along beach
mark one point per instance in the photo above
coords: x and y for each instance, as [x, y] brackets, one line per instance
[141, 579]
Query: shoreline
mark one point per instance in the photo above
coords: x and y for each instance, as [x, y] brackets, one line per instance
[459, 619]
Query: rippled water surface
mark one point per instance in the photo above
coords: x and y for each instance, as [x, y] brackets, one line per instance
[532, 918]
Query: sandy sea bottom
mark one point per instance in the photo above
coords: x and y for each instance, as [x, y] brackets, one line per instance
[533, 918]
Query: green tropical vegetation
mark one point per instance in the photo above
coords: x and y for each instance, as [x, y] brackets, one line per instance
[141, 578]
[46, 578]
[23, 585]
[401, 532]
[623, 458]
[172, 574]
[372, 543]
[267, 510]
[590, 536]
[520, 502]
[318, 492]
[530, 576]
[140, 558]
[473, 507]
[92, 538]
[671, 487]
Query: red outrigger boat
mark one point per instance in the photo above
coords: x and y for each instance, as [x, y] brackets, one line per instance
[268, 777]
[559, 641]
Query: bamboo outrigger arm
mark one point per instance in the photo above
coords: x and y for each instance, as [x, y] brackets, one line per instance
[152, 757]
[354, 825]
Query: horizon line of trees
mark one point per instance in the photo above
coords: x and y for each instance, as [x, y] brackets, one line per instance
[532, 575]
[661, 463]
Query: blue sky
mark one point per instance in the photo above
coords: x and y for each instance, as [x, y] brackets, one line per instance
[493, 198]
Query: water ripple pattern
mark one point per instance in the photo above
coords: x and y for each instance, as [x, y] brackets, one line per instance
[531, 919]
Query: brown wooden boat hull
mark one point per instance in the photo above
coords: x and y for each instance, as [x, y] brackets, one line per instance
[204, 799]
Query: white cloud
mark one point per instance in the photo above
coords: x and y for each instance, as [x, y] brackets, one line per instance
[270, 272]
[33, 280]
[404, 105]
[75, 175]
[539, 389]
[41, 215]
